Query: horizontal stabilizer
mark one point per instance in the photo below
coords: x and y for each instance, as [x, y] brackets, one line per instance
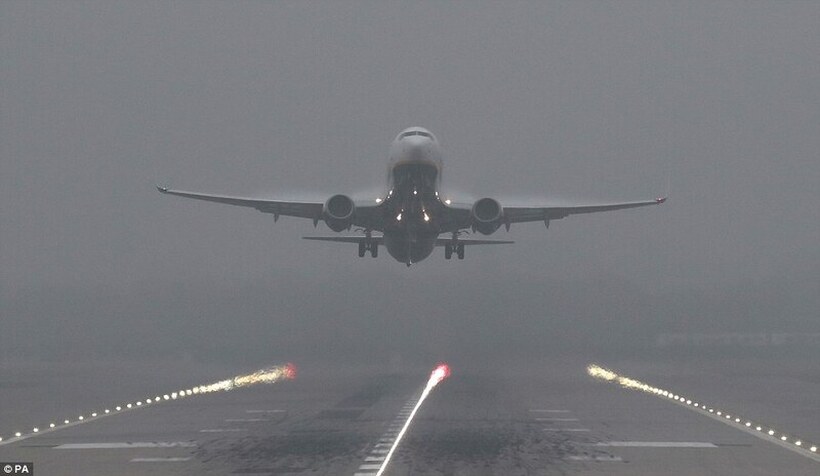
[444, 241]
[345, 239]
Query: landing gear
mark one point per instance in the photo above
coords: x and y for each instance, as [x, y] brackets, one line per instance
[455, 247]
[368, 244]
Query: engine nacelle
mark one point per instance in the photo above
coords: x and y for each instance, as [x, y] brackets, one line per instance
[338, 212]
[486, 215]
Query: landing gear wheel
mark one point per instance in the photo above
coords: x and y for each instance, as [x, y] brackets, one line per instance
[374, 249]
[448, 251]
[362, 249]
[460, 250]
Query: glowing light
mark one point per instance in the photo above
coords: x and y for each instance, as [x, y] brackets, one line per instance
[398, 217]
[1, 438]
[51, 425]
[441, 372]
[81, 418]
[378, 200]
[415, 192]
[35, 429]
[65, 421]
[139, 403]
[118, 408]
[128, 406]
[166, 397]
[426, 218]
[107, 411]
[18, 434]
[447, 201]
[93, 414]
[599, 372]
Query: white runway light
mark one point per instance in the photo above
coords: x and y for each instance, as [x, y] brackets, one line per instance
[441, 372]
[799, 445]
[264, 376]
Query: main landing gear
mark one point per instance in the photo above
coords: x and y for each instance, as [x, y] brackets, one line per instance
[456, 247]
[368, 244]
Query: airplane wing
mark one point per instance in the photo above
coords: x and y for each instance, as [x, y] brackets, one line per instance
[528, 214]
[277, 207]
[365, 215]
[459, 215]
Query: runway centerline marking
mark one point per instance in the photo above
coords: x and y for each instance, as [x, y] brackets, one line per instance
[538, 410]
[556, 419]
[658, 444]
[565, 429]
[600, 458]
[126, 445]
[222, 430]
[265, 411]
[159, 460]
[242, 420]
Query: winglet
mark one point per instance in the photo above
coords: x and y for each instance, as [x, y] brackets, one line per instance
[660, 200]
[162, 189]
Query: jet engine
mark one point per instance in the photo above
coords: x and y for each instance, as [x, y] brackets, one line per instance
[486, 215]
[338, 212]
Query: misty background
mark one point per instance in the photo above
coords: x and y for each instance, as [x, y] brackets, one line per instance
[712, 103]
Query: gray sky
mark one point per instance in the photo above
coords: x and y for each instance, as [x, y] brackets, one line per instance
[713, 103]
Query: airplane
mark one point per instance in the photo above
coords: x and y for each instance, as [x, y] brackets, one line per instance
[412, 216]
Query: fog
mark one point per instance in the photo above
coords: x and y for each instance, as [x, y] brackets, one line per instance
[712, 103]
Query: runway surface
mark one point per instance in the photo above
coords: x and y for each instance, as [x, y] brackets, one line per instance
[506, 418]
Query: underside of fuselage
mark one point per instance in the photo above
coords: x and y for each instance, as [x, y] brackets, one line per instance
[411, 210]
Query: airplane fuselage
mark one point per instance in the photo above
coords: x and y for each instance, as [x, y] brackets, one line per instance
[412, 207]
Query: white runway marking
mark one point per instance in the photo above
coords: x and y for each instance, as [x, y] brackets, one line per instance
[159, 460]
[565, 429]
[365, 474]
[556, 419]
[370, 466]
[549, 411]
[242, 420]
[658, 444]
[374, 458]
[265, 411]
[602, 458]
[126, 445]
[222, 430]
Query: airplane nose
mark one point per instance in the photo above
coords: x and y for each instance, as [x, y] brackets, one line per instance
[417, 148]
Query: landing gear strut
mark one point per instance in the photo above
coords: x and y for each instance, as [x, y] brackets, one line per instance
[454, 247]
[368, 244]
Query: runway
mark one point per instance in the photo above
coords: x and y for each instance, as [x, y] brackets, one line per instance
[506, 418]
